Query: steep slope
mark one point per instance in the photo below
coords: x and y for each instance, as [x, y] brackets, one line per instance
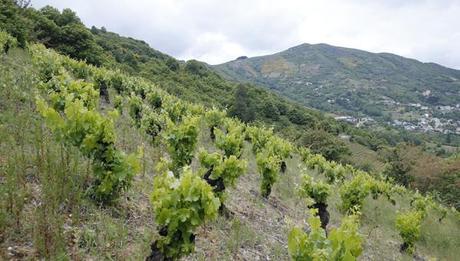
[350, 81]
[192, 80]
[195, 81]
[46, 213]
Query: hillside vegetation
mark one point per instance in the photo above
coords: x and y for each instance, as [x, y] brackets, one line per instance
[385, 87]
[192, 80]
[341, 71]
[113, 150]
[97, 164]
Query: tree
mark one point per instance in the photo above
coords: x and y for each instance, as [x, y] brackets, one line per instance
[196, 67]
[172, 64]
[68, 17]
[12, 22]
[270, 110]
[44, 30]
[321, 142]
[77, 41]
[297, 117]
[66, 33]
[22, 3]
[241, 106]
[397, 167]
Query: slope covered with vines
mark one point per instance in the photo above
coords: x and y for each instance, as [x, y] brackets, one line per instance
[80, 105]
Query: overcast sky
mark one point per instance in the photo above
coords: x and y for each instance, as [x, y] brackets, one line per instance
[217, 31]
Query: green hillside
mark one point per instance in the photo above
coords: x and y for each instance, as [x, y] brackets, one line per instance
[61, 201]
[110, 149]
[194, 81]
[352, 82]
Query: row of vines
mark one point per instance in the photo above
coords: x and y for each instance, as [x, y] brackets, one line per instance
[69, 99]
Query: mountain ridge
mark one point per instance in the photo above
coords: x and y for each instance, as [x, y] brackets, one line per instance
[354, 82]
[305, 44]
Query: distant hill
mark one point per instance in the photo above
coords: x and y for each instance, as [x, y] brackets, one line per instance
[349, 81]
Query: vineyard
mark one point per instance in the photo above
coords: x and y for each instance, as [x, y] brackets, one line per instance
[96, 164]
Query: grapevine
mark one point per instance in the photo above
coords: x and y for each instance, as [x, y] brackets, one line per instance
[316, 194]
[135, 109]
[153, 123]
[94, 135]
[281, 148]
[343, 243]
[180, 206]
[408, 224]
[154, 100]
[221, 172]
[231, 143]
[268, 166]
[258, 137]
[7, 42]
[354, 191]
[118, 103]
[214, 118]
[181, 141]
[175, 110]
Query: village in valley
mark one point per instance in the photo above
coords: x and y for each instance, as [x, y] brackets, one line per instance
[414, 117]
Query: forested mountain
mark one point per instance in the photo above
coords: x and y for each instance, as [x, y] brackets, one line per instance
[383, 86]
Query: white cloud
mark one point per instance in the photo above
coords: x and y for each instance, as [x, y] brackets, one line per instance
[213, 47]
[218, 31]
